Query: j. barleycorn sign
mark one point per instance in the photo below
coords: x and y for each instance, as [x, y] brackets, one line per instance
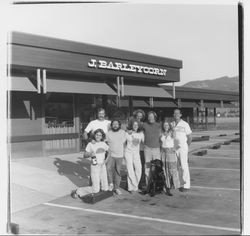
[110, 65]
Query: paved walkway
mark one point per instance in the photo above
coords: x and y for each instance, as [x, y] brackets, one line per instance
[41, 179]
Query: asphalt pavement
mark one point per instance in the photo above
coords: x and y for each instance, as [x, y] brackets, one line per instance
[40, 201]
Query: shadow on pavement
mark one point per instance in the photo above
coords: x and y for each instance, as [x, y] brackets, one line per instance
[77, 172]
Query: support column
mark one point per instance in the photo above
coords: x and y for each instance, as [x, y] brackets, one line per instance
[214, 116]
[179, 102]
[43, 101]
[206, 117]
[105, 102]
[130, 106]
[197, 117]
[77, 121]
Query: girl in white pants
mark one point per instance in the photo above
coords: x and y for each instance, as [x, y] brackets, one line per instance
[96, 151]
[132, 156]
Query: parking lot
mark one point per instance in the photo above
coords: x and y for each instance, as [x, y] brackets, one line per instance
[211, 207]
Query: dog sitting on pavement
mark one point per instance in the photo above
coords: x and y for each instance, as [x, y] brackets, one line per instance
[157, 179]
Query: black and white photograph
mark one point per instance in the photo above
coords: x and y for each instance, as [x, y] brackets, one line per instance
[124, 118]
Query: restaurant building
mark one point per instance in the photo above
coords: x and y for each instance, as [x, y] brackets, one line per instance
[56, 86]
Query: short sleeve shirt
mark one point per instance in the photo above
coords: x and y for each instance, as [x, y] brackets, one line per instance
[99, 148]
[167, 141]
[134, 140]
[152, 133]
[181, 130]
[98, 124]
[116, 142]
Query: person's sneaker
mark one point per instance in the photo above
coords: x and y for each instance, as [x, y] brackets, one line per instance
[111, 187]
[168, 193]
[118, 191]
[132, 191]
[73, 194]
[181, 189]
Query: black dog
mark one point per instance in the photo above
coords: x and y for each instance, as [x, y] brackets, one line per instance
[157, 180]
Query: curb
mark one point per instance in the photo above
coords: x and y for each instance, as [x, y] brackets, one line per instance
[210, 146]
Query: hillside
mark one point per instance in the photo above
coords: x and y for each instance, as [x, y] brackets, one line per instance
[223, 83]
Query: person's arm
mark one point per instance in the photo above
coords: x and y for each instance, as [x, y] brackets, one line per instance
[87, 130]
[189, 134]
[124, 137]
[109, 125]
[85, 135]
[142, 137]
[88, 152]
[189, 139]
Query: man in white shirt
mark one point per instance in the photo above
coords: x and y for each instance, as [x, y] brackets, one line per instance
[182, 139]
[100, 123]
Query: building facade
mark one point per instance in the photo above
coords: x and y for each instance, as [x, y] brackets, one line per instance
[56, 86]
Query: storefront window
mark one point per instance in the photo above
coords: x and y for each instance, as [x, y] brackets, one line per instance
[59, 110]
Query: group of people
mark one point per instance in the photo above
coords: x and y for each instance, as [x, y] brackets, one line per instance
[141, 142]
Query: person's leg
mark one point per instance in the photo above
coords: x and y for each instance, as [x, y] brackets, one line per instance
[175, 174]
[184, 167]
[156, 153]
[137, 169]
[104, 178]
[148, 158]
[131, 173]
[142, 180]
[110, 169]
[118, 177]
[179, 168]
[165, 168]
[95, 177]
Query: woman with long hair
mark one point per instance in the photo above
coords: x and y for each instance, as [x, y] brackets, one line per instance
[132, 156]
[169, 158]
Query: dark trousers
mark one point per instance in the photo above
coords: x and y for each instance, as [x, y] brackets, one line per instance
[114, 166]
[142, 183]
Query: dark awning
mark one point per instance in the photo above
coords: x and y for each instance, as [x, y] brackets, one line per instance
[189, 104]
[140, 103]
[164, 104]
[136, 103]
[219, 105]
[69, 86]
[146, 91]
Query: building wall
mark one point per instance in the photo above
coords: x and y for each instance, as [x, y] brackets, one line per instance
[25, 117]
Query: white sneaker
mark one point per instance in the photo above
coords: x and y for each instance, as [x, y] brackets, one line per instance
[118, 191]
[111, 187]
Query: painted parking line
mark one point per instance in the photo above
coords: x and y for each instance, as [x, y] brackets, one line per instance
[214, 188]
[202, 168]
[221, 158]
[143, 218]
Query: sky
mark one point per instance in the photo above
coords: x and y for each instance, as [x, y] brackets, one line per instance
[204, 37]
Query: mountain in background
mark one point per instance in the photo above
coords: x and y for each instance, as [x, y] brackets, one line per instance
[224, 83]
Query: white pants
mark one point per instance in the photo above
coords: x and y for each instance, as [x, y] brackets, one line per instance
[182, 155]
[99, 176]
[133, 163]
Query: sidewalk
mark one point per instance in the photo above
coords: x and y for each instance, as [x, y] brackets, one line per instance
[42, 179]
